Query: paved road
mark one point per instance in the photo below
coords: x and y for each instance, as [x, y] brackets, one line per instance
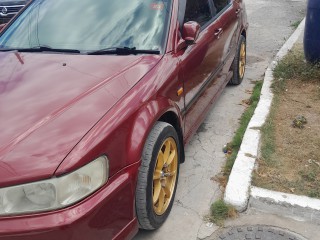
[270, 25]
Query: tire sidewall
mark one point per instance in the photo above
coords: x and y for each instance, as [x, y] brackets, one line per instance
[157, 220]
[236, 80]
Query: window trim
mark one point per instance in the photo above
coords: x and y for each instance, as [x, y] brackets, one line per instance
[230, 3]
[182, 12]
[184, 2]
[214, 18]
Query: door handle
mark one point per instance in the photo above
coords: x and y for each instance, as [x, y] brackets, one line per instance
[218, 32]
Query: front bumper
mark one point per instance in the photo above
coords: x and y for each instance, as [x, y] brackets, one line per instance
[107, 214]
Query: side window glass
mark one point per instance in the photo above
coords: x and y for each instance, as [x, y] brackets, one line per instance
[219, 5]
[198, 10]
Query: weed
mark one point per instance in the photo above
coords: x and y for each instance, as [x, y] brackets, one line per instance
[296, 24]
[268, 146]
[313, 194]
[278, 85]
[309, 176]
[294, 66]
[220, 211]
[244, 121]
[318, 93]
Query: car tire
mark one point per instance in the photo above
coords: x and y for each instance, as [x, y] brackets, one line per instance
[158, 176]
[239, 62]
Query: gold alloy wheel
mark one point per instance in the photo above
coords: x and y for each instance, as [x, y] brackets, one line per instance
[242, 60]
[165, 176]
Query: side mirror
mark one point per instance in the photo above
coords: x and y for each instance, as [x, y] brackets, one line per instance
[190, 32]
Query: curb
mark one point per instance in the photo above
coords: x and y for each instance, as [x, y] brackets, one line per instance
[290, 205]
[237, 191]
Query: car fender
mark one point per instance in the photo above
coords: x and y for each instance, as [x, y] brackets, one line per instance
[148, 115]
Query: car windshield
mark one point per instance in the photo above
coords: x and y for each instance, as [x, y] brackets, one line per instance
[90, 25]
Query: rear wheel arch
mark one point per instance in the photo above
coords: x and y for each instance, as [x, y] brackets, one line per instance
[244, 33]
[239, 62]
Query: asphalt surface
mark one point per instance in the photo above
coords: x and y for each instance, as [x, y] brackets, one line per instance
[270, 25]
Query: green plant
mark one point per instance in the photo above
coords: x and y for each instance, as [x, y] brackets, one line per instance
[296, 24]
[309, 176]
[268, 135]
[220, 211]
[313, 194]
[294, 66]
[244, 121]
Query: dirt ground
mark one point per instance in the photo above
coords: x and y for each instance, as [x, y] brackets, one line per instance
[295, 165]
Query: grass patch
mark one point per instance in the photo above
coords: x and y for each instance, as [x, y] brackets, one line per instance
[296, 24]
[290, 156]
[294, 66]
[234, 146]
[268, 145]
[220, 211]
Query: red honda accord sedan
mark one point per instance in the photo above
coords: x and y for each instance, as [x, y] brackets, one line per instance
[97, 101]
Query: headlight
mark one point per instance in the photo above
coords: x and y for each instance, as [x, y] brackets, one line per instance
[54, 193]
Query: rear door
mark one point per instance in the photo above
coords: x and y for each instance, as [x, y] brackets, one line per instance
[228, 12]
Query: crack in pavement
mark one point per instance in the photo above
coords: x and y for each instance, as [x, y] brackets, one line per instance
[180, 204]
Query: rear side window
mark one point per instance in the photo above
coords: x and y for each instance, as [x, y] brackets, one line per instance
[199, 11]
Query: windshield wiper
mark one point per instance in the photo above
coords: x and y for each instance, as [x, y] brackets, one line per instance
[122, 51]
[40, 49]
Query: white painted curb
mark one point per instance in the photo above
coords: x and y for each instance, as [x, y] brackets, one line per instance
[238, 187]
[290, 205]
[286, 198]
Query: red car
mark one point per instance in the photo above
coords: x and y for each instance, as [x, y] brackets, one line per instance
[97, 100]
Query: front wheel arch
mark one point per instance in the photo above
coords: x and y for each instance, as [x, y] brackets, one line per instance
[171, 118]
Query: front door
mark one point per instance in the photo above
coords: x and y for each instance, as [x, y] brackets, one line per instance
[201, 63]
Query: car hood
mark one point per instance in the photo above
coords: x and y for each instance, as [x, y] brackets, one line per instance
[48, 102]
